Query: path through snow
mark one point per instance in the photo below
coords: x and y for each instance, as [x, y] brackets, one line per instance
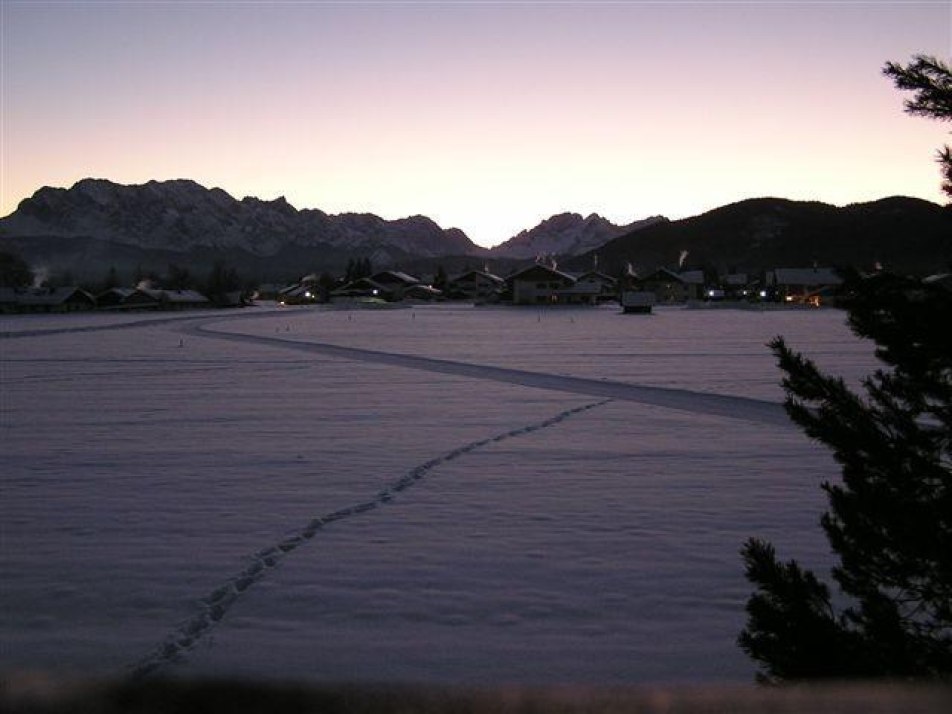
[733, 407]
[222, 598]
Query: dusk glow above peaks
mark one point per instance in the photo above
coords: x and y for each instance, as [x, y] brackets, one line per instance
[488, 117]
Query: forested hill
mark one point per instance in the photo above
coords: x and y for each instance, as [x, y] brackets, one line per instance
[902, 234]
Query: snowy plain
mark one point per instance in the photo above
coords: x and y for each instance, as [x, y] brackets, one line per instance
[437, 494]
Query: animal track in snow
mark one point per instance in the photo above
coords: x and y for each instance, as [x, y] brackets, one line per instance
[214, 606]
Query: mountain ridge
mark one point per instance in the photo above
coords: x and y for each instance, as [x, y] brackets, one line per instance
[96, 225]
[898, 232]
[180, 214]
[567, 234]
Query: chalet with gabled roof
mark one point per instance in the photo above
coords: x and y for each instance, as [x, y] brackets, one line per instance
[595, 287]
[539, 284]
[475, 285]
[804, 285]
[667, 285]
[64, 299]
[364, 288]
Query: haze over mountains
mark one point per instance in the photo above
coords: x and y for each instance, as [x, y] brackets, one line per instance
[97, 225]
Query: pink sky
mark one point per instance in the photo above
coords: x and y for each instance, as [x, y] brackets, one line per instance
[486, 116]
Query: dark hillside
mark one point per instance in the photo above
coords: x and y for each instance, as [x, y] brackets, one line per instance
[903, 234]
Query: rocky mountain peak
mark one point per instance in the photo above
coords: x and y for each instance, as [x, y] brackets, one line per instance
[566, 234]
[182, 215]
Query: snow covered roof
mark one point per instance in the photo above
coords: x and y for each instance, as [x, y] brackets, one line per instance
[539, 271]
[43, 296]
[176, 296]
[595, 275]
[423, 291]
[389, 277]
[473, 274]
[692, 277]
[661, 274]
[119, 292]
[362, 285]
[943, 280]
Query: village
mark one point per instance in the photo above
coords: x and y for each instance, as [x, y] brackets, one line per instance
[537, 284]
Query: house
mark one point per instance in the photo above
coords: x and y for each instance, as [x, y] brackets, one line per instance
[811, 286]
[736, 286]
[297, 294]
[422, 293]
[594, 287]
[695, 287]
[175, 299]
[476, 285]
[539, 285]
[64, 299]
[667, 286]
[395, 281]
[307, 290]
[114, 298]
[389, 285]
[364, 288]
[141, 299]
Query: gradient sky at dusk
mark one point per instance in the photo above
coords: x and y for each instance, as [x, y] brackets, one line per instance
[487, 116]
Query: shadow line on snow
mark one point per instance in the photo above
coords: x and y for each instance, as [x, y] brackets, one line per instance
[216, 604]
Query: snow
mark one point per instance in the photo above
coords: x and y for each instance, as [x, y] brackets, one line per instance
[436, 494]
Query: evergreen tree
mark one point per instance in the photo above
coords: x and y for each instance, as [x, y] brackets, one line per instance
[111, 280]
[931, 80]
[326, 284]
[222, 280]
[178, 278]
[440, 279]
[890, 517]
[364, 269]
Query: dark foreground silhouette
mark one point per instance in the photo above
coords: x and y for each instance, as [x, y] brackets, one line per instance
[37, 694]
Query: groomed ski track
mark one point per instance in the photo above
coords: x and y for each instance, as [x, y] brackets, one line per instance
[732, 407]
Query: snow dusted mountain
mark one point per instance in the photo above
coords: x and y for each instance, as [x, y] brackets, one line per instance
[567, 234]
[183, 216]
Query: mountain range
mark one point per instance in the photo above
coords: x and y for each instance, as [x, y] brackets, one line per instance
[96, 225]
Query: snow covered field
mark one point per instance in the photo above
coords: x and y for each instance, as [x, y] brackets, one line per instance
[461, 495]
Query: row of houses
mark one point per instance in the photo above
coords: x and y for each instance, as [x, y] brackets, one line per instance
[536, 284]
[540, 284]
[73, 299]
[813, 286]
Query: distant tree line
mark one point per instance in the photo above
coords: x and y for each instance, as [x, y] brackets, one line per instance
[220, 279]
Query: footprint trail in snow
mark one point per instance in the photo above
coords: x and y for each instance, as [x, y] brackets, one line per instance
[214, 606]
